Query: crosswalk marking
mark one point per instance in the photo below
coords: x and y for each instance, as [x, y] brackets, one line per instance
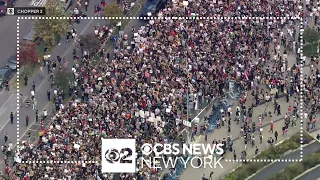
[38, 3]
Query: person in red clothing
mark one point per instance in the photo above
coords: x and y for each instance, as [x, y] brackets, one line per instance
[8, 169]
[289, 110]
[26, 177]
[271, 127]
[103, 4]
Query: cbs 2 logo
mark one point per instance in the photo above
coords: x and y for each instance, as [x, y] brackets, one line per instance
[113, 155]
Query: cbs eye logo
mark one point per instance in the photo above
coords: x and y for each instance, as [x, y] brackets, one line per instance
[114, 156]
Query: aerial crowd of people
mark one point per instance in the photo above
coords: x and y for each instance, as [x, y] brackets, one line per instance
[140, 89]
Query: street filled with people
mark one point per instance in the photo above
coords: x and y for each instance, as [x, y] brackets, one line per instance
[139, 89]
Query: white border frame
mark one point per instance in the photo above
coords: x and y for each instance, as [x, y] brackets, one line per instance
[150, 18]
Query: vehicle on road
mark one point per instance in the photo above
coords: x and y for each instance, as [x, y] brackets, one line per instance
[5, 75]
[151, 7]
[12, 62]
[4, 4]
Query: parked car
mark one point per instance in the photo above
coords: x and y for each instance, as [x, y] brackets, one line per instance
[151, 7]
[4, 4]
[12, 62]
[5, 75]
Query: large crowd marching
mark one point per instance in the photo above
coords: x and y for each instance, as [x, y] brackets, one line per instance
[140, 90]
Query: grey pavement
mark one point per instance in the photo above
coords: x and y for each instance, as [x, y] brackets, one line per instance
[8, 45]
[313, 174]
[42, 85]
[8, 33]
[238, 145]
[9, 104]
[276, 167]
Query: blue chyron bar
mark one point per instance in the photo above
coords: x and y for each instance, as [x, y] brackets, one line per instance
[26, 11]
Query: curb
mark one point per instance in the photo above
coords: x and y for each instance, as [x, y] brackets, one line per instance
[313, 135]
[306, 172]
[252, 158]
[285, 154]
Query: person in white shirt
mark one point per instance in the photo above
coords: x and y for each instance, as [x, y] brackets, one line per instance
[229, 111]
[32, 94]
[45, 113]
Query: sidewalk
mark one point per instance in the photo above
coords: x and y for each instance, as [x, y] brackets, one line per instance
[191, 173]
[238, 143]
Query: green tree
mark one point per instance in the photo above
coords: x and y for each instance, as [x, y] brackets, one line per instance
[91, 43]
[113, 10]
[311, 35]
[49, 30]
[63, 80]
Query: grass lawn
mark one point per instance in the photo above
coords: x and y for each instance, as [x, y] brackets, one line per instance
[310, 50]
[276, 152]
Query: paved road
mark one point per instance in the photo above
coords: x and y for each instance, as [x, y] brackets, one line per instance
[42, 85]
[8, 33]
[313, 174]
[269, 171]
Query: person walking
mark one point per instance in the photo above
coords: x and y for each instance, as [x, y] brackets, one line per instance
[41, 72]
[278, 110]
[34, 104]
[313, 123]
[11, 117]
[32, 94]
[25, 80]
[210, 176]
[37, 115]
[3, 149]
[256, 151]
[48, 94]
[6, 137]
[45, 114]
[86, 4]
[33, 86]
[7, 85]
[271, 127]
[276, 135]
[27, 120]
[204, 177]
[199, 162]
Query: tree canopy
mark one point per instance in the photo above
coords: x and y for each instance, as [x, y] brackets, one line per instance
[311, 35]
[50, 29]
[28, 53]
[90, 43]
[113, 10]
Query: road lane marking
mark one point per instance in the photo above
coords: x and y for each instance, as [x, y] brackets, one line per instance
[14, 112]
[38, 3]
[68, 50]
[6, 101]
[23, 134]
